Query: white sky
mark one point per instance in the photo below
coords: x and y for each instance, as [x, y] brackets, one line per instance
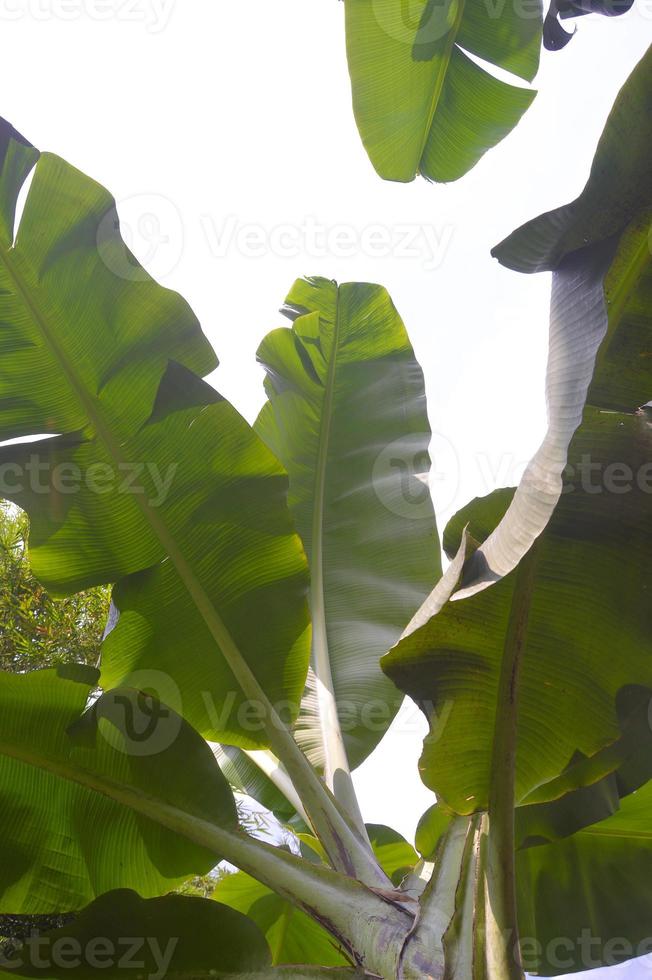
[205, 117]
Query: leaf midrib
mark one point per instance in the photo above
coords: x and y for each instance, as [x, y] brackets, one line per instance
[444, 65]
[205, 606]
[321, 652]
[343, 844]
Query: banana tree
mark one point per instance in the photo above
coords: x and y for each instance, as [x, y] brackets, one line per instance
[260, 575]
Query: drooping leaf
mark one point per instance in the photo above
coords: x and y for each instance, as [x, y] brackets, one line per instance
[579, 599]
[560, 643]
[582, 603]
[151, 479]
[618, 189]
[600, 309]
[68, 784]
[123, 935]
[554, 35]
[421, 103]
[347, 417]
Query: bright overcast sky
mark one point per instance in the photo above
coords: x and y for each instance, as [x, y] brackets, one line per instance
[225, 132]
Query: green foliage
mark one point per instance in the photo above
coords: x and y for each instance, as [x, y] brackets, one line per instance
[260, 573]
[37, 630]
[422, 105]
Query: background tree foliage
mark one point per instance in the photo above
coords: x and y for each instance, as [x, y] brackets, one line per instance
[37, 630]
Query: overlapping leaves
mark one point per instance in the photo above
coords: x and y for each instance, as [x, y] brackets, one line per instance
[150, 478]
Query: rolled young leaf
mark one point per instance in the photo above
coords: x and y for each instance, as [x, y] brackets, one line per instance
[599, 248]
[422, 105]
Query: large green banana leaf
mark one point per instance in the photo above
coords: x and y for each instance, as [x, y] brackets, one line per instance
[422, 104]
[151, 479]
[576, 598]
[586, 901]
[587, 638]
[346, 416]
[123, 935]
[69, 827]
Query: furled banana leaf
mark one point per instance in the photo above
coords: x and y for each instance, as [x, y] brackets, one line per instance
[346, 416]
[68, 786]
[577, 607]
[421, 102]
[150, 478]
[599, 323]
